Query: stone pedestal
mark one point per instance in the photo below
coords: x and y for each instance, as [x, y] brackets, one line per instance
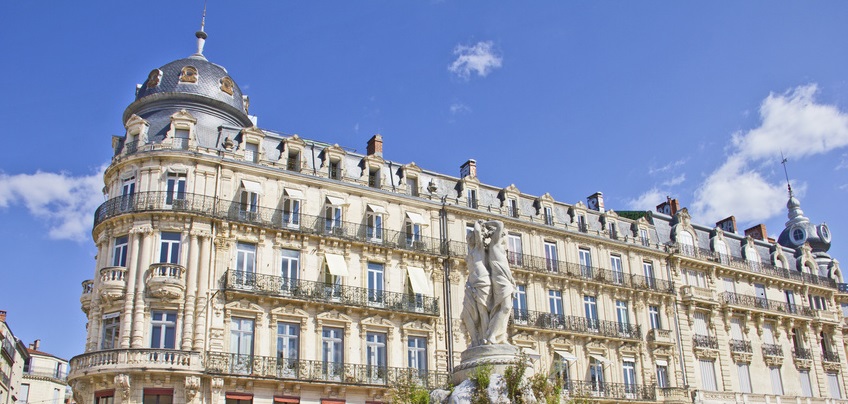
[500, 356]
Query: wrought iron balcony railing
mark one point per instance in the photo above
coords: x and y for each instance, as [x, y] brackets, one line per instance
[772, 350]
[738, 345]
[329, 293]
[830, 356]
[765, 304]
[801, 353]
[320, 371]
[705, 341]
[575, 324]
[615, 391]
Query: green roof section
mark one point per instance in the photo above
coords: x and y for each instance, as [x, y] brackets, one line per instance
[632, 214]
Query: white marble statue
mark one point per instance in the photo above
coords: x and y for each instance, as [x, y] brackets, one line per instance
[490, 286]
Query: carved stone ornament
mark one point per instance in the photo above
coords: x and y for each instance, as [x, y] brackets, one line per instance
[831, 366]
[228, 143]
[743, 357]
[188, 74]
[154, 78]
[122, 384]
[227, 85]
[192, 387]
[81, 391]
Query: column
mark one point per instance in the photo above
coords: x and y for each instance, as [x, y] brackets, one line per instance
[202, 291]
[132, 263]
[143, 265]
[191, 292]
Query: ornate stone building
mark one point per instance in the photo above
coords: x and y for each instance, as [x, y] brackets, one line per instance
[237, 264]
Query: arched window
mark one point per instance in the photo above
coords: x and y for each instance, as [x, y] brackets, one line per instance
[686, 242]
[720, 248]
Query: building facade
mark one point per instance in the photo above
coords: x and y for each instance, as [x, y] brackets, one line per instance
[13, 357]
[45, 377]
[238, 265]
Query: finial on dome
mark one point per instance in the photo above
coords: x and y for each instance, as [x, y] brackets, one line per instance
[201, 35]
[783, 161]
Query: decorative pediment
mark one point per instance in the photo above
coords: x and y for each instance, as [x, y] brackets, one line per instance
[243, 308]
[251, 135]
[334, 152]
[510, 192]
[596, 347]
[411, 168]
[683, 223]
[333, 318]
[289, 313]
[524, 340]
[417, 327]
[628, 350]
[376, 323]
[183, 115]
[546, 198]
[294, 142]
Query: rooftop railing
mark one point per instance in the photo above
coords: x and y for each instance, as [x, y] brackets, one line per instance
[330, 293]
[575, 324]
[765, 304]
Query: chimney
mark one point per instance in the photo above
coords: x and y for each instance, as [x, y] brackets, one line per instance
[3, 315]
[758, 232]
[375, 146]
[669, 207]
[728, 225]
[35, 345]
[596, 201]
[469, 169]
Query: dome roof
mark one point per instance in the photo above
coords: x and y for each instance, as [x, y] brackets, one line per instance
[193, 75]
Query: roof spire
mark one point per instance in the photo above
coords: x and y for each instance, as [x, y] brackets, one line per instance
[201, 35]
[783, 161]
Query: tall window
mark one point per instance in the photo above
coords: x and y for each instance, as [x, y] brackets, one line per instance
[111, 331]
[623, 315]
[181, 139]
[516, 253]
[245, 262]
[241, 344]
[629, 368]
[744, 377]
[776, 380]
[249, 206]
[512, 207]
[585, 262]
[288, 347]
[24, 395]
[412, 186]
[753, 258]
[374, 178]
[596, 374]
[175, 189]
[818, 302]
[549, 216]
[648, 269]
[662, 376]
[413, 233]
[163, 329]
[551, 257]
[736, 329]
[613, 230]
[806, 385]
[290, 268]
[332, 352]
[375, 282]
[333, 219]
[291, 212]
[643, 236]
[654, 317]
[686, 243]
[760, 291]
[158, 396]
[617, 272]
[708, 376]
[695, 278]
[729, 285]
[251, 152]
[335, 170]
[169, 253]
[700, 325]
[375, 354]
[581, 223]
[119, 254]
[833, 385]
[590, 306]
[471, 196]
[720, 248]
[374, 225]
[127, 193]
[555, 301]
[519, 304]
[416, 352]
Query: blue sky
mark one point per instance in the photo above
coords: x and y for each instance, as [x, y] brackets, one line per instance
[638, 100]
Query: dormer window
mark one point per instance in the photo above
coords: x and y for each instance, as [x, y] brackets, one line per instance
[643, 237]
[686, 242]
[512, 207]
[335, 170]
[293, 161]
[188, 74]
[471, 196]
[613, 230]
[181, 138]
[251, 152]
[374, 180]
[549, 216]
[581, 224]
[412, 185]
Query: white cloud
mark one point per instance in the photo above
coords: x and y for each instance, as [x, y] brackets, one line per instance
[843, 163]
[459, 108]
[648, 200]
[670, 166]
[479, 58]
[791, 122]
[65, 202]
[676, 180]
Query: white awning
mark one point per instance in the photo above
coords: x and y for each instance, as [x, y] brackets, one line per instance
[662, 362]
[416, 218]
[294, 193]
[599, 358]
[377, 208]
[335, 200]
[628, 359]
[566, 355]
[252, 186]
[336, 264]
[418, 280]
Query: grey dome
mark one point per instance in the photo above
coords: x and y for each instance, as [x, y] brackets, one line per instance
[208, 84]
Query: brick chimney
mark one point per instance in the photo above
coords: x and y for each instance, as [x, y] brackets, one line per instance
[596, 201]
[757, 232]
[469, 169]
[3, 315]
[669, 207]
[375, 146]
[728, 224]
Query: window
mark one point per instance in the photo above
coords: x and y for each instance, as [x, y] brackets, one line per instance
[549, 216]
[648, 269]
[290, 268]
[249, 205]
[288, 347]
[158, 396]
[686, 243]
[119, 253]
[104, 397]
[416, 353]
[374, 225]
[551, 257]
[512, 207]
[617, 272]
[760, 292]
[333, 219]
[519, 304]
[56, 396]
[245, 262]
[562, 369]
[729, 285]
[844, 307]
[555, 301]
[623, 315]
[662, 376]
[413, 234]
[596, 374]
[643, 236]
[700, 325]
[241, 344]
[471, 195]
[127, 194]
[581, 223]
[833, 385]
[776, 381]
[375, 283]
[181, 138]
[293, 161]
[736, 329]
[708, 376]
[163, 329]
[291, 212]
[818, 302]
[695, 278]
[721, 250]
[790, 302]
[175, 189]
[111, 331]
[335, 170]
[169, 253]
[654, 317]
[629, 368]
[332, 355]
[375, 354]
[251, 152]
[515, 250]
[613, 231]
[24, 396]
[744, 377]
[585, 262]
[590, 306]
[374, 178]
[806, 386]
[412, 186]
[768, 333]
[753, 258]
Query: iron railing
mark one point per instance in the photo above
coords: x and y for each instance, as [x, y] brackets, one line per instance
[329, 293]
[705, 341]
[772, 350]
[801, 353]
[321, 371]
[830, 356]
[765, 304]
[598, 389]
[575, 324]
[738, 345]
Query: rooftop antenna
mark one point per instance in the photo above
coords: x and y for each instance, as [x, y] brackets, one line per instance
[201, 35]
[783, 161]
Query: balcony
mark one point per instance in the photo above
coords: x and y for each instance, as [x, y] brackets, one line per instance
[738, 345]
[119, 360]
[166, 281]
[748, 301]
[773, 354]
[311, 371]
[674, 395]
[803, 358]
[830, 356]
[85, 298]
[659, 336]
[302, 290]
[113, 283]
[701, 295]
[575, 324]
[707, 342]
[46, 373]
[608, 391]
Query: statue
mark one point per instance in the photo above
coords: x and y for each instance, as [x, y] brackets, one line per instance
[488, 291]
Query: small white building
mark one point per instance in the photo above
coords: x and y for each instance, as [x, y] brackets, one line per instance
[45, 377]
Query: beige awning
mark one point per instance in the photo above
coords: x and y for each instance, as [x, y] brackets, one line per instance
[335, 200]
[566, 355]
[599, 358]
[418, 279]
[294, 193]
[377, 208]
[252, 186]
[416, 218]
[336, 264]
